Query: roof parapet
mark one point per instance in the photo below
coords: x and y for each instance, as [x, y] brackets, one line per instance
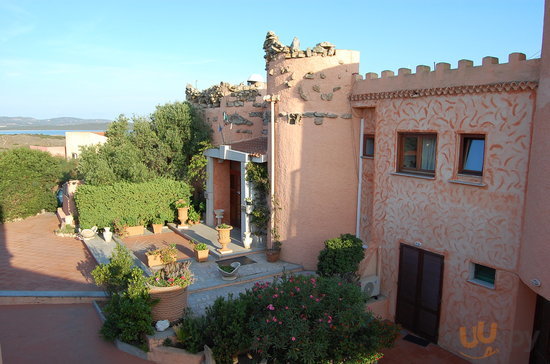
[518, 69]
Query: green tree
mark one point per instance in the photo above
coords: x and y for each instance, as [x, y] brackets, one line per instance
[28, 181]
[182, 129]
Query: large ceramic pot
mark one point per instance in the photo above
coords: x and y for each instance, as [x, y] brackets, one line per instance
[157, 228]
[173, 301]
[182, 215]
[272, 255]
[231, 275]
[224, 238]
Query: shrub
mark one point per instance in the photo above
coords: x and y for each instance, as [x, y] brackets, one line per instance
[128, 312]
[226, 330]
[341, 257]
[116, 275]
[190, 332]
[172, 274]
[304, 319]
[129, 204]
[28, 179]
[297, 319]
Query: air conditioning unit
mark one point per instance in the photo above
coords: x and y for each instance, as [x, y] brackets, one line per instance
[370, 285]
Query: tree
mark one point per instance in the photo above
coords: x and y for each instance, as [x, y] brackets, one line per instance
[27, 182]
[162, 146]
[182, 129]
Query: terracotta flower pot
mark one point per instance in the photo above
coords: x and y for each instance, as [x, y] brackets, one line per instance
[173, 301]
[272, 255]
[224, 238]
[134, 230]
[201, 255]
[157, 228]
[156, 259]
[182, 215]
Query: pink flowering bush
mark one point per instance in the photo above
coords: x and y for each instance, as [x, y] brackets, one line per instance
[173, 274]
[296, 319]
[305, 319]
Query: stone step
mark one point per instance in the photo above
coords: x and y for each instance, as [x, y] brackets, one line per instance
[50, 297]
[205, 234]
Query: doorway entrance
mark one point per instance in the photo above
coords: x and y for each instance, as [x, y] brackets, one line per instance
[235, 194]
[419, 289]
[541, 333]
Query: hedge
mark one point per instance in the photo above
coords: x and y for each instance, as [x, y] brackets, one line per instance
[130, 204]
[28, 179]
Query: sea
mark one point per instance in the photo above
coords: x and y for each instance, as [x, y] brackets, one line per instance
[45, 132]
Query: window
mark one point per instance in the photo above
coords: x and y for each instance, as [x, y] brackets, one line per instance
[368, 145]
[472, 152]
[417, 153]
[483, 275]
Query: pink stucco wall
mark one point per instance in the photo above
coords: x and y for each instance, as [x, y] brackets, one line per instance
[535, 252]
[316, 165]
[214, 117]
[480, 224]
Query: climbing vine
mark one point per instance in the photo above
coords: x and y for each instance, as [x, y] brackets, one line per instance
[256, 174]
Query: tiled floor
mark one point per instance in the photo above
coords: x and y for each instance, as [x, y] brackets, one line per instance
[409, 353]
[33, 258]
[56, 334]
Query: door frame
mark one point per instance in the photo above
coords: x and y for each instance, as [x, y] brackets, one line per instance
[419, 276]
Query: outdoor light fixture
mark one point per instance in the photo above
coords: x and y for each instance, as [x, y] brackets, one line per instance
[536, 282]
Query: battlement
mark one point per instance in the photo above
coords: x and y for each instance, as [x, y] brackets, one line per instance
[517, 73]
[237, 95]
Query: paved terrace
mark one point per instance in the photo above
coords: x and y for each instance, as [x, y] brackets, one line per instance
[39, 267]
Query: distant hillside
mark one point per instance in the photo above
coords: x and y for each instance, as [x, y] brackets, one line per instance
[62, 123]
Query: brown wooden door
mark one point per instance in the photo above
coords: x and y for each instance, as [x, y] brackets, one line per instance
[235, 194]
[419, 291]
[541, 333]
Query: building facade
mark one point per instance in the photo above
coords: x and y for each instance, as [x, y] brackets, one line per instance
[442, 173]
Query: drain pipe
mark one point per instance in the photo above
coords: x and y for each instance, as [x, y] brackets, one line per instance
[272, 99]
[360, 181]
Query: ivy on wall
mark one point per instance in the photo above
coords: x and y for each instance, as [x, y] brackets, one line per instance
[130, 204]
[256, 174]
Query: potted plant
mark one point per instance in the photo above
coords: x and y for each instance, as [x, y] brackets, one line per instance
[224, 237]
[272, 254]
[194, 216]
[162, 256]
[169, 286]
[157, 223]
[229, 272]
[183, 208]
[201, 252]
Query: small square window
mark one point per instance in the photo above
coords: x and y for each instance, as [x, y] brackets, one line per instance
[368, 145]
[484, 275]
[417, 153]
[472, 154]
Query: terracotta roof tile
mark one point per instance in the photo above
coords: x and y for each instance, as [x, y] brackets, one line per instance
[255, 147]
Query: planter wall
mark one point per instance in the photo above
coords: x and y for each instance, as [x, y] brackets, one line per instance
[173, 301]
[134, 230]
[155, 259]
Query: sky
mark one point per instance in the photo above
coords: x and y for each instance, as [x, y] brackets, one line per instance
[99, 59]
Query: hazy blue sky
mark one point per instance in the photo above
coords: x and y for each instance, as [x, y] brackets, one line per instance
[98, 59]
